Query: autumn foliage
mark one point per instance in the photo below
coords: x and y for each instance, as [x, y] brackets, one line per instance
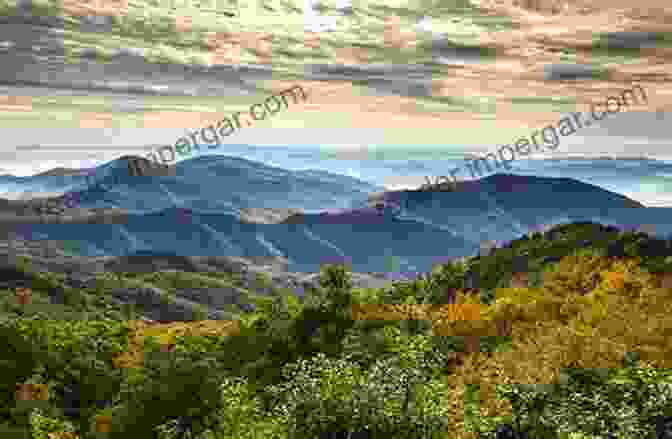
[579, 342]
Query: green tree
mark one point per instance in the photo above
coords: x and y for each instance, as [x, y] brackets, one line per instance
[327, 311]
[21, 359]
[184, 386]
[336, 285]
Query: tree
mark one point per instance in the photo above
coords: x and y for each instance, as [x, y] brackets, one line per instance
[439, 287]
[185, 386]
[19, 360]
[327, 311]
[336, 284]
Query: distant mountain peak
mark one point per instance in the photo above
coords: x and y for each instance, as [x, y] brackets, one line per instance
[140, 166]
[132, 158]
[59, 172]
[503, 183]
[129, 160]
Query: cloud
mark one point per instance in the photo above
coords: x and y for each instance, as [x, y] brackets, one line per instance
[424, 25]
[319, 23]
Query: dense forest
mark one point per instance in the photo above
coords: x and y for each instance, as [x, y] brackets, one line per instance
[568, 340]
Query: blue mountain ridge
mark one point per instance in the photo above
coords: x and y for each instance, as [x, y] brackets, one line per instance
[199, 210]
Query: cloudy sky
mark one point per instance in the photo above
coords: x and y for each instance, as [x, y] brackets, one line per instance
[494, 78]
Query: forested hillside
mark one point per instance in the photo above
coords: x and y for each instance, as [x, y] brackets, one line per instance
[563, 332]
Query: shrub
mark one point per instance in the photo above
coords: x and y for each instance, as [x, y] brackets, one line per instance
[323, 395]
[42, 424]
[182, 386]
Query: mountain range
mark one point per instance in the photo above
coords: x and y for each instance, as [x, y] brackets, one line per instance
[214, 206]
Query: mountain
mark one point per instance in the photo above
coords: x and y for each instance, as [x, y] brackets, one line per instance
[59, 172]
[163, 286]
[213, 206]
[51, 316]
[508, 189]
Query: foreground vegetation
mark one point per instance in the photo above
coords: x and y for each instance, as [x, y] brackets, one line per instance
[569, 343]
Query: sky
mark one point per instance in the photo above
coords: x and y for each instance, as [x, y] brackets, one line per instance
[626, 135]
[472, 104]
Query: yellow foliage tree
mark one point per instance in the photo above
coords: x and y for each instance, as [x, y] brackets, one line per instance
[168, 334]
[578, 273]
[590, 312]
